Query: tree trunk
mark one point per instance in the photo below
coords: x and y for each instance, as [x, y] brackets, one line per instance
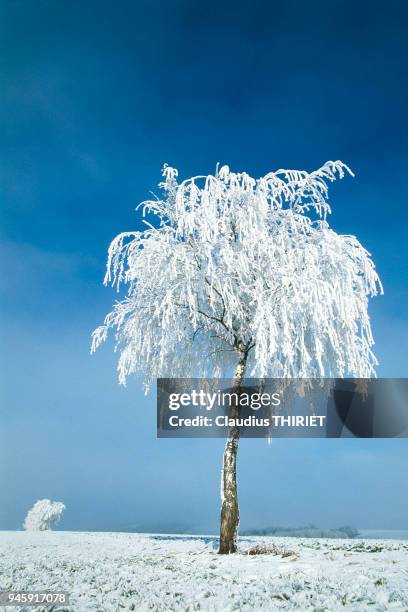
[229, 496]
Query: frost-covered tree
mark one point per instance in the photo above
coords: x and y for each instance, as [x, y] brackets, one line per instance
[243, 274]
[43, 514]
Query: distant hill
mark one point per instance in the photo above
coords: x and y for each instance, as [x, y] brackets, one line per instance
[310, 531]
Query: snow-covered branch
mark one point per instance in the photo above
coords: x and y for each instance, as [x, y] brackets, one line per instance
[235, 263]
[43, 514]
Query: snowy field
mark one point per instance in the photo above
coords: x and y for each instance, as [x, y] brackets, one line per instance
[119, 571]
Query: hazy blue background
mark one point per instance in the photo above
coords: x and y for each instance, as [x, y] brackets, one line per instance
[95, 97]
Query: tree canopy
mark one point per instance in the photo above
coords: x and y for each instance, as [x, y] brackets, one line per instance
[229, 265]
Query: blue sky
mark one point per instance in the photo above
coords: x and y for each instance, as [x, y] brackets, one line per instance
[96, 96]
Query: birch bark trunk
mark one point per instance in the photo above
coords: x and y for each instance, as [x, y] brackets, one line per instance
[229, 495]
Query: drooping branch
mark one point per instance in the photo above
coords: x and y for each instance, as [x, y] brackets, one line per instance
[233, 264]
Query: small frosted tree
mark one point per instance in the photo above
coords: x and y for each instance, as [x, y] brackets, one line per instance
[243, 275]
[43, 514]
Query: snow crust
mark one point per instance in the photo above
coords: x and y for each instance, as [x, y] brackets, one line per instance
[120, 571]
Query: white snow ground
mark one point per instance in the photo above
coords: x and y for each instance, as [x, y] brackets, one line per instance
[120, 571]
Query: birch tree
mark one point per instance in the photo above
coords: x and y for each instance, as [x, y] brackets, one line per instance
[42, 515]
[243, 275]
